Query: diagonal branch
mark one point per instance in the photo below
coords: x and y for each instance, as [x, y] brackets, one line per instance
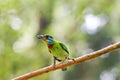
[84, 58]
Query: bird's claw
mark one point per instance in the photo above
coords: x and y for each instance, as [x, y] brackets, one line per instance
[71, 59]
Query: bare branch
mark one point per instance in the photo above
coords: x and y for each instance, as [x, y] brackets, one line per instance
[69, 62]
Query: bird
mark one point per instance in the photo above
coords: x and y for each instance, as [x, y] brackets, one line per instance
[58, 50]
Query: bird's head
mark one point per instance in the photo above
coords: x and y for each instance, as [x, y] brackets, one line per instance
[46, 38]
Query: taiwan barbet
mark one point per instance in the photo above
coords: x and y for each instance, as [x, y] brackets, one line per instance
[58, 50]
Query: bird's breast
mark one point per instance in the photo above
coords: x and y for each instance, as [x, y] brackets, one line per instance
[50, 46]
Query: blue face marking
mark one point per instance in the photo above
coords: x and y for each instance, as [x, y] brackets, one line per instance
[50, 40]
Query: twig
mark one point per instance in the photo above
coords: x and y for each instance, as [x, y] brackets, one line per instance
[69, 62]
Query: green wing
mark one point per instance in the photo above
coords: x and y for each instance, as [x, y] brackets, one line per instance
[64, 47]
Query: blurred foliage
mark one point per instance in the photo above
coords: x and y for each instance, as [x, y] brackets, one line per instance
[84, 25]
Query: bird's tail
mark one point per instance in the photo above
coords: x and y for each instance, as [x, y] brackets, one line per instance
[64, 69]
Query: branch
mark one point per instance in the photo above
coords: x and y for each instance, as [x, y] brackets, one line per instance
[84, 58]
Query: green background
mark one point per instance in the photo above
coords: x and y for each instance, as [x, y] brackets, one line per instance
[83, 25]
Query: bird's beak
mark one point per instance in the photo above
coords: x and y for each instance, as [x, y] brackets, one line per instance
[42, 37]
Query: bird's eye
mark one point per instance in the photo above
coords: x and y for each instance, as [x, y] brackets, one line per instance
[47, 37]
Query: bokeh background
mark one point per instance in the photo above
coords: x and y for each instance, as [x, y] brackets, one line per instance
[83, 25]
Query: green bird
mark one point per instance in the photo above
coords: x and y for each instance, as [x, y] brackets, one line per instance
[58, 50]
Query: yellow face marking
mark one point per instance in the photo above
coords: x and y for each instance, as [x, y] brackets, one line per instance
[46, 41]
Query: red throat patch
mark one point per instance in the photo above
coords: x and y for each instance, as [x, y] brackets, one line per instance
[50, 46]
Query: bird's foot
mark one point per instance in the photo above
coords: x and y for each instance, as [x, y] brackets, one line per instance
[71, 59]
[54, 65]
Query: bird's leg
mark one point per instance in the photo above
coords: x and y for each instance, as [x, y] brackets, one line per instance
[54, 61]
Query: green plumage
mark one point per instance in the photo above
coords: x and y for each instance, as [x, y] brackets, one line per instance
[58, 50]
